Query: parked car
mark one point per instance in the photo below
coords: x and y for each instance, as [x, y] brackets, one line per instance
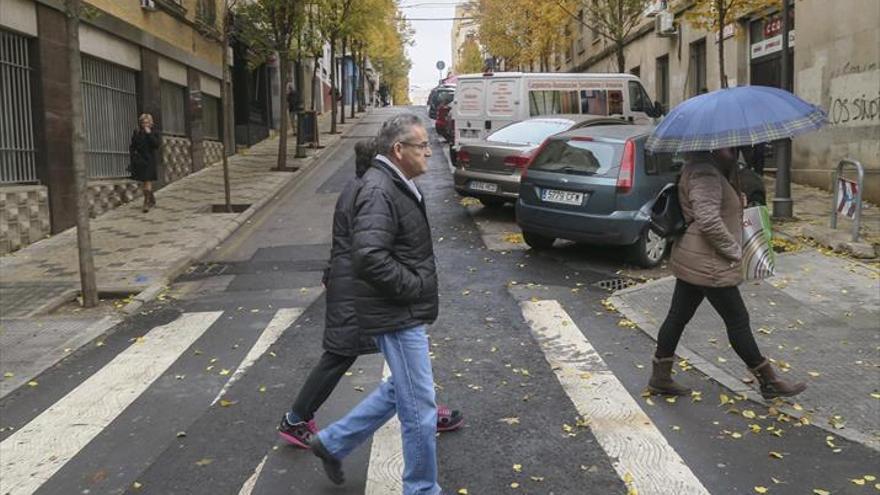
[589, 185]
[439, 95]
[444, 124]
[489, 169]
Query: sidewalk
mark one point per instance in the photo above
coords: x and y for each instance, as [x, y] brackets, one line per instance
[136, 255]
[817, 319]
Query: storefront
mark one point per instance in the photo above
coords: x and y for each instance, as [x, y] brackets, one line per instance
[765, 54]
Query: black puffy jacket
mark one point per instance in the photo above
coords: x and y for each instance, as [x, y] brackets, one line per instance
[392, 255]
[341, 332]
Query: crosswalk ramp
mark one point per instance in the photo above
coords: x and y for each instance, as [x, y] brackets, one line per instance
[85, 432]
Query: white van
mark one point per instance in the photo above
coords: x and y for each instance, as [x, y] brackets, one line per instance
[486, 102]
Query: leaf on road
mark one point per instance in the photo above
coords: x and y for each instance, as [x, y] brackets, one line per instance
[262, 388]
[536, 479]
[725, 399]
[137, 485]
[672, 399]
[817, 491]
[696, 396]
[814, 374]
[8, 374]
[181, 434]
[626, 323]
[761, 489]
[517, 468]
[224, 372]
[513, 237]
[227, 403]
[358, 388]
[514, 485]
[462, 491]
[33, 383]
[858, 481]
[775, 455]
[837, 422]
[204, 462]
[748, 413]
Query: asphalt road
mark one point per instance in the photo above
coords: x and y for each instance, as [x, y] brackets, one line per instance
[184, 397]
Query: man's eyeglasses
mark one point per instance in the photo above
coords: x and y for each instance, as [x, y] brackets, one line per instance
[420, 146]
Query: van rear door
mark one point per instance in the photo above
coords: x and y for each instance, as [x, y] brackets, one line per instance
[501, 103]
[469, 110]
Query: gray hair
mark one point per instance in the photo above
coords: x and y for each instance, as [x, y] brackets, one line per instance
[396, 129]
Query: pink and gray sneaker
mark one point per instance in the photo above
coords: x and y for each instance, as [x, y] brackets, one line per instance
[297, 434]
[449, 419]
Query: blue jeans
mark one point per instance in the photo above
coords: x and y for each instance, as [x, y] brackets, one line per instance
[409, 393]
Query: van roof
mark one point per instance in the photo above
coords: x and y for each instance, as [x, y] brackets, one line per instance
[552, 75]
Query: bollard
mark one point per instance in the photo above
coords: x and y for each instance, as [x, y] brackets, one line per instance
[836, 202]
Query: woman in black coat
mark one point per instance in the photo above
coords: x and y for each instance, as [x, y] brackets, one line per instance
[143, 151]
[343, 339]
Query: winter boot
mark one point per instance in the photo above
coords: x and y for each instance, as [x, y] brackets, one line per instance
[772, 386]
[147, 205]
[661, 381]
[152, 199]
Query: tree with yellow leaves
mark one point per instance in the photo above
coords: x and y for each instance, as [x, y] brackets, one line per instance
[714, 15]
[470, 59]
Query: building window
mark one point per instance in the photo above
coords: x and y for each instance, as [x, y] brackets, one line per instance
[662, 82]
[173, 109]
[211, 117]
[206, 11]
[109, 94]
[698, 67]
[17, 137]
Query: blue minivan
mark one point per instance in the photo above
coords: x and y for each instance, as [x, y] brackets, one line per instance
[589, 185]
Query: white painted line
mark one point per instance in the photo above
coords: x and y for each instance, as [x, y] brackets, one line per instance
[39, 449]
[248, 487]
[636, 447]
[386, 457]
[283, 318]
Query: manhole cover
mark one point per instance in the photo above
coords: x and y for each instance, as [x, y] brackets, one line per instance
[615, 284]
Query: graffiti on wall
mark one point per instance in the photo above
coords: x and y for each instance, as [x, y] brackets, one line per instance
[855, 99]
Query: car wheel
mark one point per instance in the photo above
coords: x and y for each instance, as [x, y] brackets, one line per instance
[492, 202]
[650, 249]
[537, 241]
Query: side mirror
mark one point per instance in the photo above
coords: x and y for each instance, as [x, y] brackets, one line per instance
[657, 111]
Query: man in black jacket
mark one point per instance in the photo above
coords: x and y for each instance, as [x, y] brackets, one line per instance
[395, 287]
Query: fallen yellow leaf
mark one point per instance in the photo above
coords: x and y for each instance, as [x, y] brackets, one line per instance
[775, 455]
[32, 383]
[462, 491]
[517, 468]
[204, 462]
[514, 485]
[748, 413]
[818, 491]
[227, 403]
[858, 481]
[761, 489]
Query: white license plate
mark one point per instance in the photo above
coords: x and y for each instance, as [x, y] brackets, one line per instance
[483, 186]
[562, 197]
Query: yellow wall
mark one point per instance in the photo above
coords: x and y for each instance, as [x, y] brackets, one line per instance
[162, 24]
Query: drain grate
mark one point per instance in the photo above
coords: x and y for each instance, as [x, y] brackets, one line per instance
[615, 284]
[204, 270]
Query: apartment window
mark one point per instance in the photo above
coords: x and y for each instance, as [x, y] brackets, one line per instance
[662, 81]
[207, 11]
[173, 109]
[211, 117]
[698, 67]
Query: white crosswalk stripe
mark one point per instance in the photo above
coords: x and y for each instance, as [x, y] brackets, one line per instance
[386, 457]
[39, 449]
[283, 318]
[640, 454]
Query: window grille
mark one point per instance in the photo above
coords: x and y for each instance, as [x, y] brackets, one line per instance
[173, 109]
[17, 164]
[110, 116]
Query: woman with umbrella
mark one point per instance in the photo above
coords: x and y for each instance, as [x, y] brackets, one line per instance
[707, 259]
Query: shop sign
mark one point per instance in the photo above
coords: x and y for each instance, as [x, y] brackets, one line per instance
[771, 45]
[728, 31]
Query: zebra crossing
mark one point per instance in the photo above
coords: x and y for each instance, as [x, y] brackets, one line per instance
[53, 438]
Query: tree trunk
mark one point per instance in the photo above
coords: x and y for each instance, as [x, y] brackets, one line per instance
[621, 57]
[282, 132]
[362, 98]
[332, 85]
[342, 83]
[224, 102]
[721, 17]
[315, 83]
[83, 233]
[352, 88]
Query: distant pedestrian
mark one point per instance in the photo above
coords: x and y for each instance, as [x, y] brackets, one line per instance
[343, 339]
[143, 154]
[707, 263]
[396, 297]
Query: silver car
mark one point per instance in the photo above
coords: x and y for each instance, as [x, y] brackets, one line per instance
[489, 170]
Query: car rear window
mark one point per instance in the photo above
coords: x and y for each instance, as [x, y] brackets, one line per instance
[577, 157]
[528, 131]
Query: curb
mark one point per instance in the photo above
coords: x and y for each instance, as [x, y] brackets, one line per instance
[153, 290]
[729, 381]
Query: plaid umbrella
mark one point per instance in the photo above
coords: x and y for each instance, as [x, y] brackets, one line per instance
[727, 118]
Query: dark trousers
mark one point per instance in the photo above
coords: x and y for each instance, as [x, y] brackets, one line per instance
[727, 301]
[320, 383]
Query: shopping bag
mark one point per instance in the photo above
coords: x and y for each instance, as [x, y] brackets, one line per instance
[759, 260]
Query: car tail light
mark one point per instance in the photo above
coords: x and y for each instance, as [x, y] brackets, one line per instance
[464, 158]
[518, 161]
[534, 154]
[627, 167]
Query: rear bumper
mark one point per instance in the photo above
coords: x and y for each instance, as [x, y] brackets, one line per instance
[508, 185]
[620, 228]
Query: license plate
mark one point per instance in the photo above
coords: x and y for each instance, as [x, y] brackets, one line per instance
[484, 186]
[562, 197]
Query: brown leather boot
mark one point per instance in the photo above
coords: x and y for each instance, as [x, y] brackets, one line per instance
[146, 206]
[661, 381]
[771, 385]
[152, 199]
